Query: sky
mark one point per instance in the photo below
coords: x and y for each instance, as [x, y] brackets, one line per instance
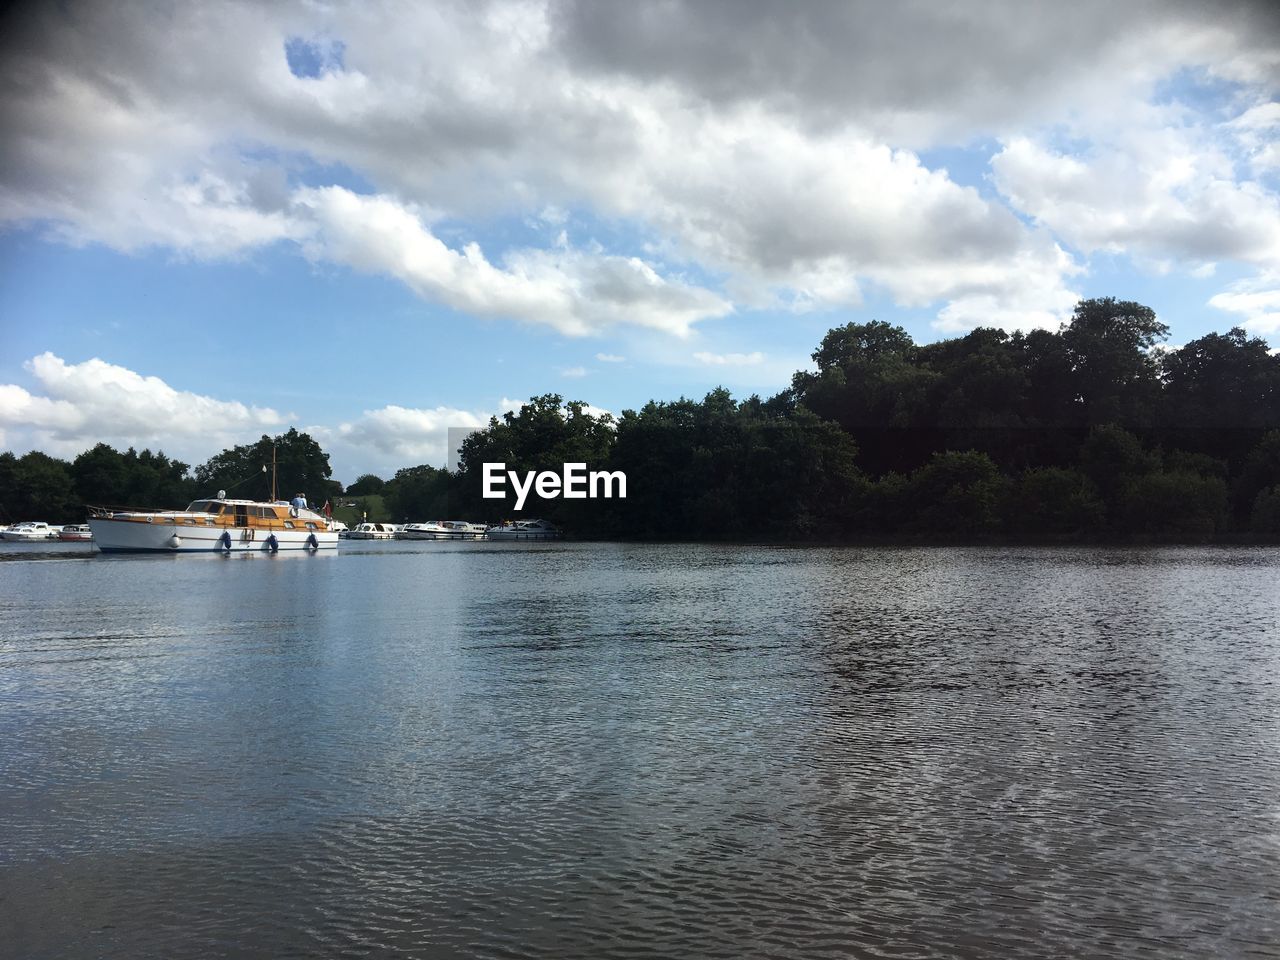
[376, 221]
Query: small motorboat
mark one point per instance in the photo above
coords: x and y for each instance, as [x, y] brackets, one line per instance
[372, 531]
[29, 530]
[76, 533]
[524, 530]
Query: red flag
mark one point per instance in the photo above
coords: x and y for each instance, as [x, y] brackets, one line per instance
[327, 512]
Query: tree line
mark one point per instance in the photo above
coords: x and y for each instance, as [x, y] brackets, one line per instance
[1090, 432]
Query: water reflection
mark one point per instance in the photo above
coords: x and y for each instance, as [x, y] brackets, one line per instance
[589, 750]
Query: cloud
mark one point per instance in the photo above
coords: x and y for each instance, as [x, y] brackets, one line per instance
[778, 163]
[574, 292]
[393, 436]
[573, 372]
[1256, 300]
[729, 359]
[610, 358]
[507, 405]
[82, 404]
[914, 72]
[1155, 196]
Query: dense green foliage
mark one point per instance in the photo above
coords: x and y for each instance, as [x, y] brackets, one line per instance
[1090, 432]
[245, 471]
[40, 487]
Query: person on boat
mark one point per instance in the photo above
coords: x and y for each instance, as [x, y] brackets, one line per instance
[299, 503]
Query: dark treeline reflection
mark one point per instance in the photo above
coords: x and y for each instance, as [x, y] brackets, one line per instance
[1090, 432]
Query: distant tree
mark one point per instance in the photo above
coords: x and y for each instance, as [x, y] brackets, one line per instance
[1221, 393]
[1259, 471]
[1056, 502]
[366, 484]
[1116, 378]
[1265, 517]
[101, 476]
[1113, 458]
[870, 381]
[418, 494]
[544, 434]
[245, 471]
[37, 486]
[957, 494]
[1174, 505]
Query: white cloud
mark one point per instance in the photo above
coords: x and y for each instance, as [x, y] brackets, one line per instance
[729, 359]
[1257, 301]
[573, 372]
[575, 292]
[507, 405]
[81, 404]
[393, 436]
[781, 158]
[1157, 195]
[610, 358]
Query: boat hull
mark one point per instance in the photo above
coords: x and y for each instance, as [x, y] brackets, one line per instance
[508, 534]
[131, 536]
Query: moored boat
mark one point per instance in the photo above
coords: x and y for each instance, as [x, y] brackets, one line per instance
[372, 531]
[75, 533]
[420, 531]
[442, 530]
[230, 526]
[29, 530]
[524, 530]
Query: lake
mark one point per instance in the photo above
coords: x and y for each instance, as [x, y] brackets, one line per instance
[597, 750]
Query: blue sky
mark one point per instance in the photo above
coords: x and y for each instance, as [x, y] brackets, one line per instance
[376, 224]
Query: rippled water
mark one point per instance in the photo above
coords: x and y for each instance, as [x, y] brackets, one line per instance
[522, 750]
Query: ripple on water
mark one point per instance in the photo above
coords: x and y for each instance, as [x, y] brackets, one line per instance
[600, 750]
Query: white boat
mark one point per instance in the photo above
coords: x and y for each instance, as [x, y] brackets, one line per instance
[230, 526]
[75, 533]
[419, 531]
[524, 530]
[372, 531]
[30, 530]
[443, 530]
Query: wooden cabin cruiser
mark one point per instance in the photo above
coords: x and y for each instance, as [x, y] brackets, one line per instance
[524, 530]
[75, 533]
[30, 530]
[230, 526]
[372, 531]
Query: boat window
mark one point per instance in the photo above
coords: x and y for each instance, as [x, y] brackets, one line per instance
[310, 525]
[288, 524]
[198, 506]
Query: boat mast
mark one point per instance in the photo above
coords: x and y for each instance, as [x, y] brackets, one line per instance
[273, 473]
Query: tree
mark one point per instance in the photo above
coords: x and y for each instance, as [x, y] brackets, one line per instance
[101, 476]
[957, 494]
[1222, 392]
[418, 493]
[37, 486]
[544, 434]
[870, 381]
[245, 471]
[1116, 378]
[1057, 502]
[366, 485]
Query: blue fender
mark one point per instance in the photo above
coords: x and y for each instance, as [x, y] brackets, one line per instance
[272, 544]
[224, 541]
[313, 543]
